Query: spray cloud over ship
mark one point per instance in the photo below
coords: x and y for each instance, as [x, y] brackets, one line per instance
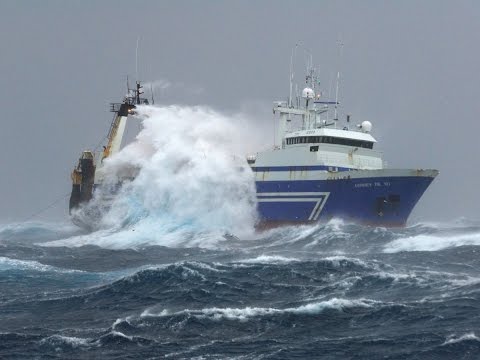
[185, 179]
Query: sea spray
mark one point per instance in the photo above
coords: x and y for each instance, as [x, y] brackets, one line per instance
[188, 181]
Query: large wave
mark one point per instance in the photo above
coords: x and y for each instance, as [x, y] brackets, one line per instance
[428, 242]
[190, 183]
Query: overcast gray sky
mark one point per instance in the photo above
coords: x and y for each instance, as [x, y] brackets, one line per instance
[410, 67]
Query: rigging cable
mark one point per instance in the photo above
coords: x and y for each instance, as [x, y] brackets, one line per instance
[35, 214]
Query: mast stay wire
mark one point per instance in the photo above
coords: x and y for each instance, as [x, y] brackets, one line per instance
[35, 214]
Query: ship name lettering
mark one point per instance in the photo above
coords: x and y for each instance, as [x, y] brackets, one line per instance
[361, 185]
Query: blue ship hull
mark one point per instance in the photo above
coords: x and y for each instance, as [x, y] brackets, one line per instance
[378, 200]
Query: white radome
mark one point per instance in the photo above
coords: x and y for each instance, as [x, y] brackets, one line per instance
[308, 93]
[366, 126]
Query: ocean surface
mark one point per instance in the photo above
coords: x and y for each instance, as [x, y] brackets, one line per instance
[331, 291]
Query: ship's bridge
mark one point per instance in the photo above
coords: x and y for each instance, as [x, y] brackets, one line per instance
[331, 136]
[330, 148]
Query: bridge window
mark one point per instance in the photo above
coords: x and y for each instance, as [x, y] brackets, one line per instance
[330, 140]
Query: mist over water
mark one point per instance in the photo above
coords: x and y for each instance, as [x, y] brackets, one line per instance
[175, 269]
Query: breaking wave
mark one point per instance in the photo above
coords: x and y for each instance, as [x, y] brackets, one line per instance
[335, 238]
[432, 242]
[467, 337]
[28, 265]
[249, 312]
[190, 183]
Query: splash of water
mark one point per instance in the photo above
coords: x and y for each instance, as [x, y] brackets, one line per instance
[427, 242]
[187, 186]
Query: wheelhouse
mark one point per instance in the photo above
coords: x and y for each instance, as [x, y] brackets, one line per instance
[329, 140]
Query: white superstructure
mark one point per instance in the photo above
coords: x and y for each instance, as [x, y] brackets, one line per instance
[319, 169]
[320, 141]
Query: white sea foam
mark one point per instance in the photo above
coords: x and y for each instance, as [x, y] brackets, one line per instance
[185, 271]
[454, 339]
[189, 190]
[14, 264]
[56, 340]
[465, 280]
[120, 334]
[268, 259]
[318, 234]
[335, 303]
[339, 260]
[243, 314]
[204, 266]
[336, 225]
[291, 234]
[431, 242]
[121, 320]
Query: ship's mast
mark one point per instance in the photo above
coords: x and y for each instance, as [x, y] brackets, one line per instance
[308, 104]
[340, 48]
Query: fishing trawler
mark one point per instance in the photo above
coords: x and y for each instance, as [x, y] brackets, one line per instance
[318, 171]
[325, 170]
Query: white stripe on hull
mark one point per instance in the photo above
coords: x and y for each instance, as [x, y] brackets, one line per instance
[320, 198]
[350, 174]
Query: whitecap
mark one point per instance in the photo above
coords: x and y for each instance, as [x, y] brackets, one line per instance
[453, 339]
[15, 264]
[56, 340]
[431, 242]
[268, 259]
[243, 314]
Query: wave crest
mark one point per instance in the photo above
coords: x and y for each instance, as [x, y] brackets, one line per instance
[190, 187]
